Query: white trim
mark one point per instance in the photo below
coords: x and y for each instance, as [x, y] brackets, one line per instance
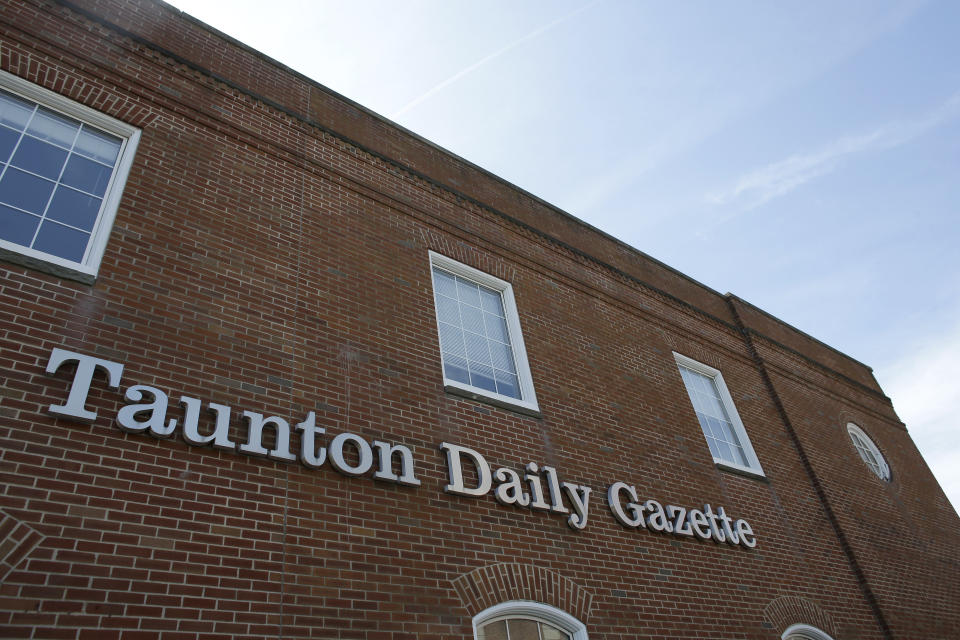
[804, 632]
[855, 432]
[86, 269]
[753, 468]
[528, 398]
[534, 610]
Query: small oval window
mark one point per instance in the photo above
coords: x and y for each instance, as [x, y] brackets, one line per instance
[868, 451]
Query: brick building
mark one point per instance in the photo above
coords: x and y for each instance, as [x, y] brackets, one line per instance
[275, 367]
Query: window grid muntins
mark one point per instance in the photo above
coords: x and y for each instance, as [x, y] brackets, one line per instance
[520, 629]
[474, 337]
[868, 452]
[714, 421]
[54, 174]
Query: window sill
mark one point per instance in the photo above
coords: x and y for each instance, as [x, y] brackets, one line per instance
[516, 407]
[46, 266]
[741, 471]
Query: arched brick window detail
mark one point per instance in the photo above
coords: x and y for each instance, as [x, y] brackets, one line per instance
[787, 611]
[505, 582]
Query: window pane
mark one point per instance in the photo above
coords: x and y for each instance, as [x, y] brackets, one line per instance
[61, 241]
[523, 630]
[25, 191]
[451, 340]
[8, 140]
[74, 208]
[98, 145]
[482, 376]
[477, 350]
[550, 632]
[502, 357]
[712, 407]
[472, 319]
[468, 292]
[507, 383]
[455, 368]
[448, 310]
[54, 128]
[39, 157]
[493, 631]
[17, 226]
[14, 111]
[496, 327]
[491, 301]
[87, 175]
[445, 283]
[725, 452]
[719, 430]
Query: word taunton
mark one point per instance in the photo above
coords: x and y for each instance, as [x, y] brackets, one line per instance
[538, 488]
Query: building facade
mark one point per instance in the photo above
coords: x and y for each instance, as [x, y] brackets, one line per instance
[274, 367]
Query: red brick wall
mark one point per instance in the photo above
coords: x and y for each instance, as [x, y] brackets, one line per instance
[268, 264]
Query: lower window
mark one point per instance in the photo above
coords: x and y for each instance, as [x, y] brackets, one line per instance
[804, 632]
[527, 621]
[520, 629]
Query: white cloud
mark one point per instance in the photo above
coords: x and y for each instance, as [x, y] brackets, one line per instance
[926, 394]
[759, 186]
[496, 54]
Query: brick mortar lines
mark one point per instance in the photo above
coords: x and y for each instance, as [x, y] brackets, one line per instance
[458, 196]
[796, 354]
[810, 384]
[303, 162]
[300, 161]
[858, 572]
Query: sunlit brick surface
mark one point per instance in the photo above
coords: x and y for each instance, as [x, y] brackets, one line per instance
[270, 254]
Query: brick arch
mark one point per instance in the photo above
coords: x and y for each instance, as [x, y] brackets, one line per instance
[789, 610]
[17, 540]
[509, 581]
[469, 255]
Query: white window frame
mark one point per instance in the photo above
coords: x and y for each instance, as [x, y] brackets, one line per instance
[804, 632]
[527, 403]
[855, 432]
[86, 269]
[530, 610]
[753, 468]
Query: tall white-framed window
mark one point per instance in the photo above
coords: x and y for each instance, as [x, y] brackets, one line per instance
[868, 451]
[62, 171]
[804, 632]
[724, 431]
[481, 345]
[522, 620]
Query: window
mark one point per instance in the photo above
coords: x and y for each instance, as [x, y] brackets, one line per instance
[804, 632]
[480, 342]
[62, 169]
[718, 418]
[868, 451]
[527, 621]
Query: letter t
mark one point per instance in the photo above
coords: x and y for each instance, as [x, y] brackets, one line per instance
[80, 387]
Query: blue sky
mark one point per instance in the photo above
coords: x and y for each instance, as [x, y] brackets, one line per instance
[804, 156]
